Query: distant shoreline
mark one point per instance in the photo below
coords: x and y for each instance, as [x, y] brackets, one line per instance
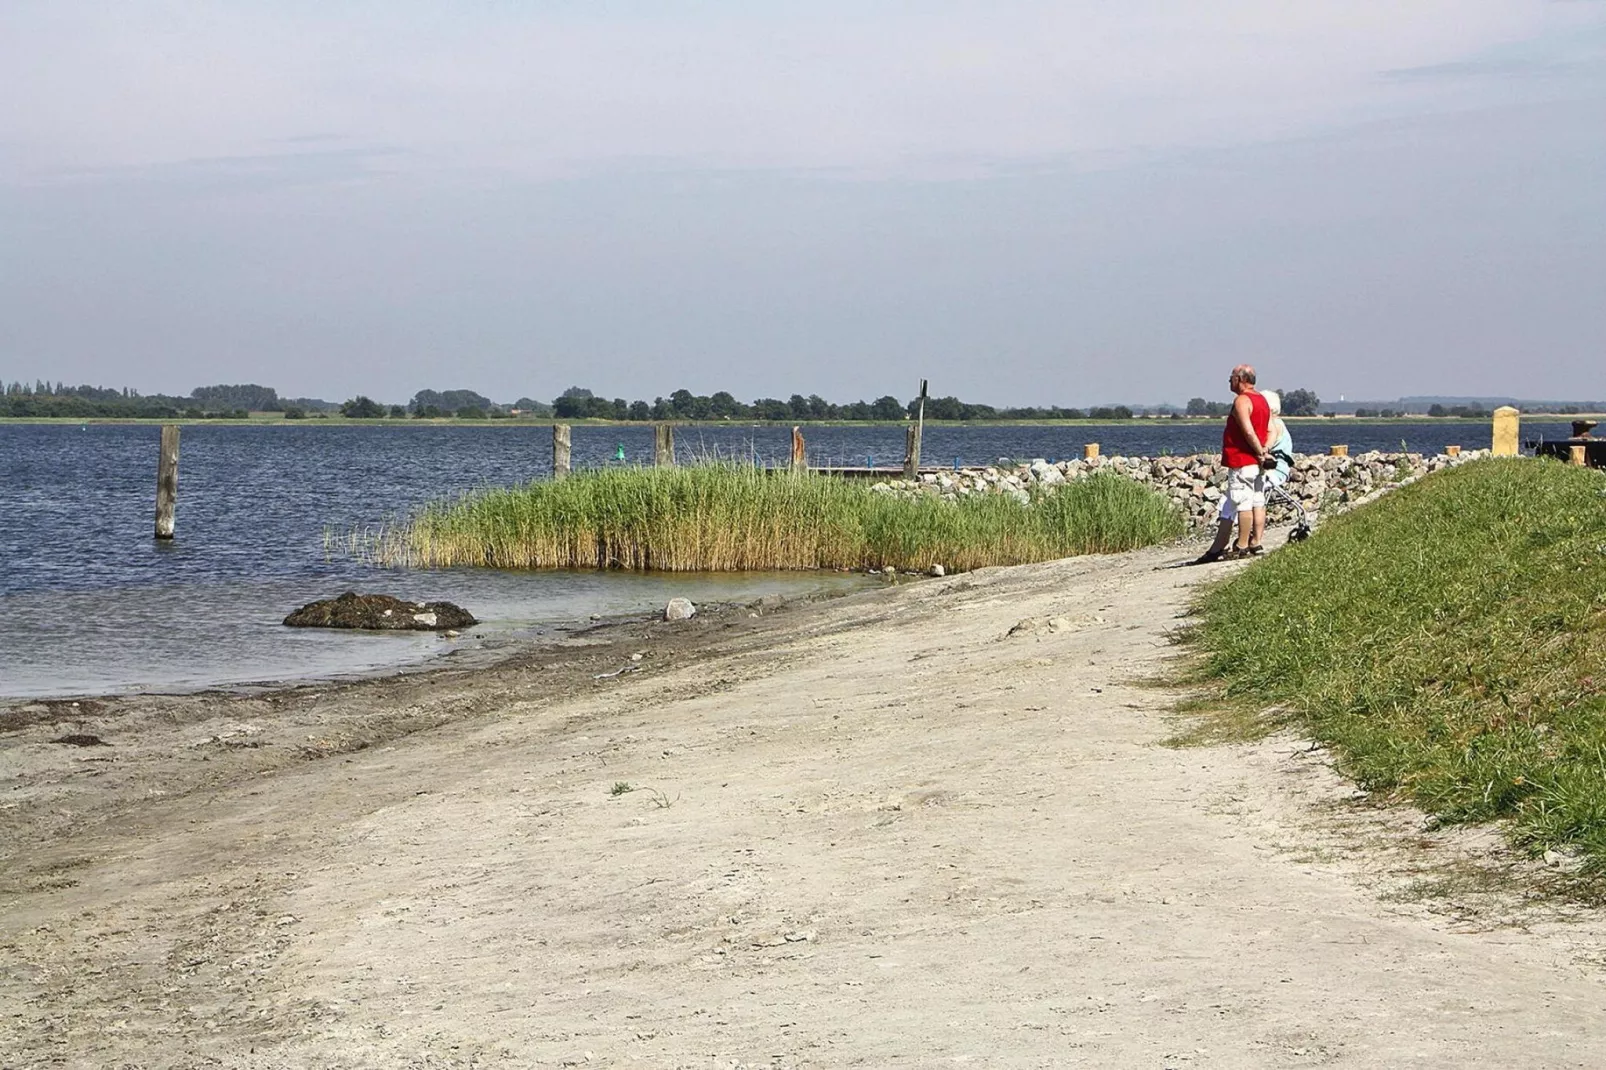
[452, 421]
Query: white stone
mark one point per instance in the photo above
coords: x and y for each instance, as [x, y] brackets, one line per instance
[679, 609]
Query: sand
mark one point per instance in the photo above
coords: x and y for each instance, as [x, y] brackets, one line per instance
[893, 829]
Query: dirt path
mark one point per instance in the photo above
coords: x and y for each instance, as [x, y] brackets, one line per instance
[882, 831]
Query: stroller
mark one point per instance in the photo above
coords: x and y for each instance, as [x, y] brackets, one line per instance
[1278, 491]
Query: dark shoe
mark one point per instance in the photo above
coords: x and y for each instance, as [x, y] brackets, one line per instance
[1209, 557]
[1256, 550]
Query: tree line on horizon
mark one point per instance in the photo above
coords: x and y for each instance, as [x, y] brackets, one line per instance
[44, 398]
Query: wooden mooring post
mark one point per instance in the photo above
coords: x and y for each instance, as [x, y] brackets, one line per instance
[911, 452]
[1578, 455]
[1090, 450]
[800, 458]
[1338, 451]
[1452, 451]
[167, 482]
[560, 451]
[663, 445]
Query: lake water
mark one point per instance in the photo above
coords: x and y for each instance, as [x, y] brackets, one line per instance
[90, 603]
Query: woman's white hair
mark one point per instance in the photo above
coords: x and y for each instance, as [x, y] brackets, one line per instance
[1273, 399]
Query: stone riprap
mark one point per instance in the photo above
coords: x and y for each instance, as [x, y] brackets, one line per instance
[1195, 482]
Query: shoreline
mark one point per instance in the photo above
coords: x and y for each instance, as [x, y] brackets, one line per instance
[1136, 421]
[567, 659]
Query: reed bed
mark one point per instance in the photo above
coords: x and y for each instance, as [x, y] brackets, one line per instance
[725, 517]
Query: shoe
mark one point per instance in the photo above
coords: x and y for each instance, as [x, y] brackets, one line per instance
[1209, 557]
[1256, 550]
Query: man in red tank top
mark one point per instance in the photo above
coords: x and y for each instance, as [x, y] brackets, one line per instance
[1243, 448]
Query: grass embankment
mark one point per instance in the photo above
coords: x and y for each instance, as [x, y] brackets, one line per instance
[1449, 640]
[735, 518]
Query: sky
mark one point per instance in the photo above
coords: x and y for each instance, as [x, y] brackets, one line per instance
[1025, 202]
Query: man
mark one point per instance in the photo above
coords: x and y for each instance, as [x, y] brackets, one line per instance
[1244, 445]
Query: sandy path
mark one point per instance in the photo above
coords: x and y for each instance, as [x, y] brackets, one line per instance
[886, 833]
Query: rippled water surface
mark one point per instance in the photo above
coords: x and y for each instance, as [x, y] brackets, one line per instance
[89, 602]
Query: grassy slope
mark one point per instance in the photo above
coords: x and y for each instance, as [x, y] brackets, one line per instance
[1449, 640]
[727, 517]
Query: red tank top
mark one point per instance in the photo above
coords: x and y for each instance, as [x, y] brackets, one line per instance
[1236, 452]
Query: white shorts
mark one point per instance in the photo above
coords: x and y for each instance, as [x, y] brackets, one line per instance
[1246, 489]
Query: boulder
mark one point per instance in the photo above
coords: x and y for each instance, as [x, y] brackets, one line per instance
[679, 609]
[380, 612]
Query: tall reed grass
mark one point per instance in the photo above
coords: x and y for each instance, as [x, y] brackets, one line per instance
[728, 517]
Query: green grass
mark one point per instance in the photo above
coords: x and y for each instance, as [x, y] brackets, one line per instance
[1449, 640]
[732, 518]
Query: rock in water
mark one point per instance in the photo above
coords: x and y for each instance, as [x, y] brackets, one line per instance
[380, 612]
[679, 609]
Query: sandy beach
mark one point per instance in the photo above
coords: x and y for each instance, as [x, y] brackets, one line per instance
[929, 825]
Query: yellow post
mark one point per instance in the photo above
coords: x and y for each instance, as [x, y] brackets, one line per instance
[1452, 451]
[1090, 451]
[1505, 432]
[1338, 451]
[1576, 455]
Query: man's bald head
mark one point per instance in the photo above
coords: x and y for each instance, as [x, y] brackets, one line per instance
[1245, 373]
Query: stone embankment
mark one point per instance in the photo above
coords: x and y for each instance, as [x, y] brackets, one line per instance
[1194, 482]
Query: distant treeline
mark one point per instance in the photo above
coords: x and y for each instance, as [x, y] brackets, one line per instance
[580, 403]
[44, 398]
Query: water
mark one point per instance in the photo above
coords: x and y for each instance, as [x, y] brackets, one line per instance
[90, 603]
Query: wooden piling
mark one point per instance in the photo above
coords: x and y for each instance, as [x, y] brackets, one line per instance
[560, 451]
[800, 461]
[1338, 451]
[1578, 455]
[663, 445]
[167, 482]
[1090, 450]
[1452, 451]
[911, 452]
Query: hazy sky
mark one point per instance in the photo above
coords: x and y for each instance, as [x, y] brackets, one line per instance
[1026, 202]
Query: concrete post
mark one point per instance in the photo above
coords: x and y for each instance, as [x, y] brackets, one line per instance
[1506, 426]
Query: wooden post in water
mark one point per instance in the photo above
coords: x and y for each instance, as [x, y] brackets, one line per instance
[663, 445]
[1090, 451]
[911, 453]
[560, 451]
[1338, 451]
[800, 460]
[1578, 455]
[167, 482]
